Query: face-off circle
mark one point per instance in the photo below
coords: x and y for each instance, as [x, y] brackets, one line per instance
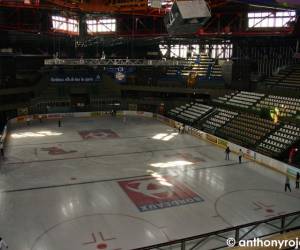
[100, 231]
[243, 206]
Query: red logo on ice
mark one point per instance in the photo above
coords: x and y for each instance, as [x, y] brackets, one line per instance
[151, 194]
[98, 134]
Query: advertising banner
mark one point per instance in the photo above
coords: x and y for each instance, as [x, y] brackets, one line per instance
[86, 77]
[211, 138]
[96, 114]
[222, 143]
[21, 118]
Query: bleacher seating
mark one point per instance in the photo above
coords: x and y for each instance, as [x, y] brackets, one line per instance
[224, 99]
[249, 130]
[218, 119]
[246, 129]
[242, 99]
[190, 112]
[280, 140]
[216, 72]
[288, 106]
[201, 68]
[288, 77]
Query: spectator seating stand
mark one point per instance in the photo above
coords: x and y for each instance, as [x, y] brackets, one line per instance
[191, 112]
[280, 140]
[218, 119]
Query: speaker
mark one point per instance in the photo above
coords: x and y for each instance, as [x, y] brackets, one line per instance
[186, 17]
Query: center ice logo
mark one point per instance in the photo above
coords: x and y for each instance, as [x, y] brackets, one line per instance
[98, 134]
[150, 194]
[148, 188]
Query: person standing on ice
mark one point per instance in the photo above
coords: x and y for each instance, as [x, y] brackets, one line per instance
[227, 152]
[287, 184]
[240, 156]
[3, 244]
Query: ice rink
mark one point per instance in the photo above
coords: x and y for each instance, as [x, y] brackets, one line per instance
[106, 183]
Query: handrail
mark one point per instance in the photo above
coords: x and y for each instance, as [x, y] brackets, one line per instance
[117, 62]
[231, 229]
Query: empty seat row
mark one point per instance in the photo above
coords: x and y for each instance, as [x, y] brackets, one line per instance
[246, 129]
[288, 77]
[219, 119]
[190, 112]
[280, 140]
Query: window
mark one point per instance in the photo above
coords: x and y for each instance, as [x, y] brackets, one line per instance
[101, 25]
[175, 50]
[278, 19]
[180, 50]
[65, 24]
[163, 49]
[223, 51]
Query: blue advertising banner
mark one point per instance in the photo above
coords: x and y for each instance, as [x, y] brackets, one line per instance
[87, 77]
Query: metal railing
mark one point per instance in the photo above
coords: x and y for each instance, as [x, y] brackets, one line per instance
[217, 239]
[117, 62]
